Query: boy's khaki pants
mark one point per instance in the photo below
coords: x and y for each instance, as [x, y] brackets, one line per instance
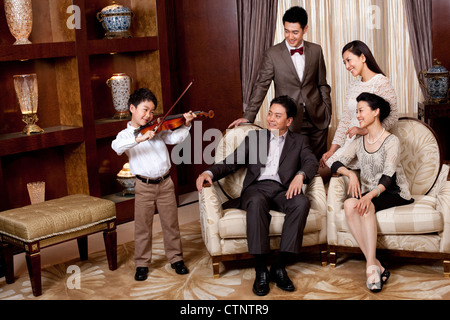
[146, 196]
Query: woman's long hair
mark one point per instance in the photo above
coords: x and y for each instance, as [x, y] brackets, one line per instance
[357, 48]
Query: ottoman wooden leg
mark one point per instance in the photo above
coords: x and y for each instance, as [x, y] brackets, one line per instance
[8, 262]
[110, 238]
[34, 270]
[83, 248]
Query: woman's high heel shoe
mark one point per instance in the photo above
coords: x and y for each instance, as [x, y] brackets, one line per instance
[374, 282]
[385, 275]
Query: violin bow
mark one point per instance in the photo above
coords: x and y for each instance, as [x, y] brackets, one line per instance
[167, 113]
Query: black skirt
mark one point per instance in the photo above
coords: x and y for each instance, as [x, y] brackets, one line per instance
[388, 200]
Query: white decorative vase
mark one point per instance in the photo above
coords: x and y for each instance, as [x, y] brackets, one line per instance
[120, 89]
[19, 16]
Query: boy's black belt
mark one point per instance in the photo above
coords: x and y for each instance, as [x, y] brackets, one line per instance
[153, 181]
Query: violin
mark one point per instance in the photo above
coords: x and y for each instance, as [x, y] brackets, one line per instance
[169, 122]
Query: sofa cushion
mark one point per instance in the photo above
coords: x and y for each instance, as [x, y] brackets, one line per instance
[419, 217]
[233, 224]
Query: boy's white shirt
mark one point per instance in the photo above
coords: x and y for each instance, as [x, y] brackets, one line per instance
[149, 158]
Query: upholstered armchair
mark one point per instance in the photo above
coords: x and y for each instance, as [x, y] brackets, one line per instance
[421, 229]
[224, 231]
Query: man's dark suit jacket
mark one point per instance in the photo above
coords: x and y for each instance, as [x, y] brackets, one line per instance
[296, 155]
[312, 90]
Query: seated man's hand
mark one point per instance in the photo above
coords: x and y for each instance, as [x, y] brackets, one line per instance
[201, 179]
[295, 188]
[237, 122]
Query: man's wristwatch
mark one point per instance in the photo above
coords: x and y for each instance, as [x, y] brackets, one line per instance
[302, 173]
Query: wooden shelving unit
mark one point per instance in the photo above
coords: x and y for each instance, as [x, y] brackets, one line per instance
[75, 106]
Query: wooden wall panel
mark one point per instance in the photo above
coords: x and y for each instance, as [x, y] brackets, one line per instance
[68, 90]
[76, 173]
[147, 69]
[207, 51]
[441, 31]
[43, 165]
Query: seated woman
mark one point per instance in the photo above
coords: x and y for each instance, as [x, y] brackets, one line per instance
[383, 181]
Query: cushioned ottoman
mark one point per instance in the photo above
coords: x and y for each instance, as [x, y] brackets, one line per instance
[51, 222]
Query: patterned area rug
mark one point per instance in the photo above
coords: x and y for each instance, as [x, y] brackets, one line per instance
[411, 279]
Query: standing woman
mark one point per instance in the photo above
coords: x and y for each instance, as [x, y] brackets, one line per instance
[359, 61]
[383, 181]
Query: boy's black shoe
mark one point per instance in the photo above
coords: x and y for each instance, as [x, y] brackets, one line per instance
[141, 273]
[179, 267]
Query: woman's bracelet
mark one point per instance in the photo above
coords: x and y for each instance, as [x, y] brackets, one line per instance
[379, 191]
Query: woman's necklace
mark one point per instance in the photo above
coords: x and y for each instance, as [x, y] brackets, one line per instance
[382, 132]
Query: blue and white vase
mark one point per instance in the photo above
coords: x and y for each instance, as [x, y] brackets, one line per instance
[116, 20]
[120, 89]
[437, 82]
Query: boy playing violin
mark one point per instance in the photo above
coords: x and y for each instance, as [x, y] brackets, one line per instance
[150, 163]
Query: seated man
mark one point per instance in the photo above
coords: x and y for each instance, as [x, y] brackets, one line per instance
[272, 182]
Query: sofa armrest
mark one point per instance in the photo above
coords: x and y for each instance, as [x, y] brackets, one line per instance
[211, 211]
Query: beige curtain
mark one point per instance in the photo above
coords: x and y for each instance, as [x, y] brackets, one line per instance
[381, 24]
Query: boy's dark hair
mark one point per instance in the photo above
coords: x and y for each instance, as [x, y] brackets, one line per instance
[140, 95]
[296, 15]
[288, 103]
[376, 102]
[358, 48]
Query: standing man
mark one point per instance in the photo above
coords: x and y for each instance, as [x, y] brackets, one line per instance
[297, 68]
[273, 183]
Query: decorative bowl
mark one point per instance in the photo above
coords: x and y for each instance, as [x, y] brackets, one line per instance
[437, 85]
[126, 180]
[116, 20]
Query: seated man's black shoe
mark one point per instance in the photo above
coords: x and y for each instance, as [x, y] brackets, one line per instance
[261, 284]
[281, 278]
[141, 273]
[179, 267]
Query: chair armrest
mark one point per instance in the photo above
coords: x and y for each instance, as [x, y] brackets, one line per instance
[442, 191]
[210, 207]
[337, 194]
[443, 206]
[315, 191]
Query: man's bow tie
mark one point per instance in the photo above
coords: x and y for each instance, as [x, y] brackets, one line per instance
[299, 50]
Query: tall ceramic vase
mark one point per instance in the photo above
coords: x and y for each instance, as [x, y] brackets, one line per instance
[19, 16]
[120, 89]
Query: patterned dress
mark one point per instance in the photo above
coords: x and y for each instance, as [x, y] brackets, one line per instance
[383, 162]
[379, 85]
